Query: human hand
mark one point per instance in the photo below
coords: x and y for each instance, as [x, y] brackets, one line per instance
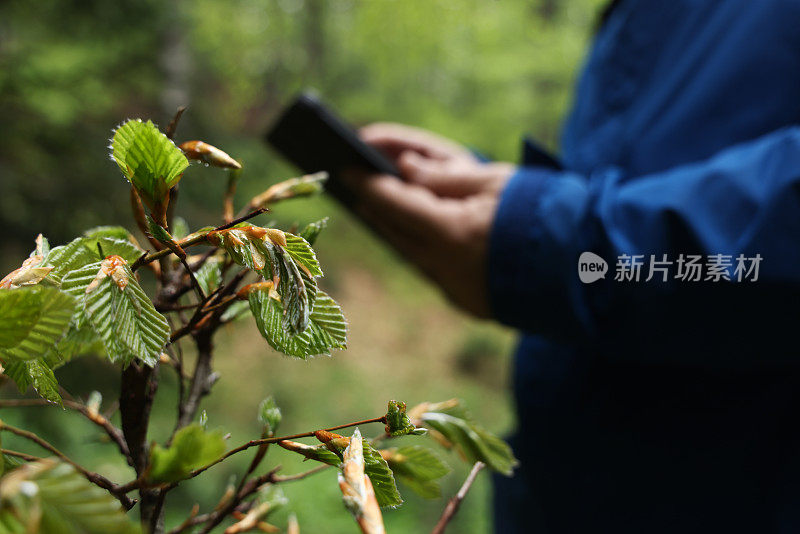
[440, 215]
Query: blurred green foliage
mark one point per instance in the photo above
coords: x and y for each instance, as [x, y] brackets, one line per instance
[483, 72]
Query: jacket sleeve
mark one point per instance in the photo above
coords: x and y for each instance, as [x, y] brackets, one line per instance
[744, 200]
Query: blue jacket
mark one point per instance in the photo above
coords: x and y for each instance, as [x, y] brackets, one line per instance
[661, 406]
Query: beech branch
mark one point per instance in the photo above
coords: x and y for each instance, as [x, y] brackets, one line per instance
[196, 240]
[454, 503]
[98, 419]
[94, 478]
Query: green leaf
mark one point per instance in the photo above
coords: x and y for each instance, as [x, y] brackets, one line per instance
[375, 467]
[112, 232]
[34, 318]
[303, 186]
[327, 329]
[77, 342]
[180, 228]
[235, 311]
[261, 250]
[312, 230]
[319, 453]
[51, 497]
[85, 250]
[148, 159]
[37, 373]
[158, 232]
[302, 253]
[294, 293]
[192, 448]
[418, 468]
[119, 311]
[209, 275]
[397, 421]
[270, 415]
[453, 422]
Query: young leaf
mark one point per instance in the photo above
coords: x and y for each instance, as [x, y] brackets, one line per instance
[375, 466]
[209, 154]
[209, 276]
[32, 271]
[37, 373]
[119, 311]
[270, 415]
[262, 250]
[303, 186]
[85, 250]
[327, 328]
[51, 497]
[180, 228]
[34, 319]
[294, 296]
[453, 422]
[112, 232]
[418, 468]
[302, 253]
[235, 311]
[157, 231]
[357, 491]
[319, 453]
[398, 423]
[148, 159]
[191, 448]
[312, 230]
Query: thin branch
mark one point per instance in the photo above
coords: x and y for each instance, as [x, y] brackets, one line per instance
[454, 503]
[191, 241]
[173, 124]
[141, 219]
[98, 419]
[251, 487]
[230, 192]
[193, 279]
[277, 479]
[20, 455]
[203, 314]
[257, 442]
[94, 478]
[140, 483]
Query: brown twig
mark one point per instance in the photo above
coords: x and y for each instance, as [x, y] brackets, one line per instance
[20, 455]
[94, 478]
[257, 442]
[191, 241]
[141, 219]
[454, 503]
[98, 419]
[173, 124]
[230, 192]
[140, 483]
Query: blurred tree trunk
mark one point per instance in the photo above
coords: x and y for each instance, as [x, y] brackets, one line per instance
[175, 62]
[315, 39]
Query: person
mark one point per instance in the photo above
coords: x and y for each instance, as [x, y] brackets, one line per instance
[661, 405]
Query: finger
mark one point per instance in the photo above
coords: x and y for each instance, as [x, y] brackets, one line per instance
[444, 178]
[394, 202]
[393, 139]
